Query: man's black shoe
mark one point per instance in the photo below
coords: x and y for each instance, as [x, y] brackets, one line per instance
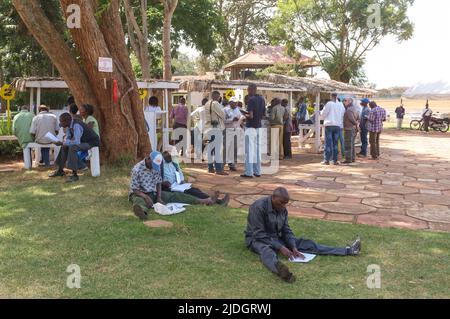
[355, 248]
[72, 179]
[246, 176]
[57, 174]
[284, 273]
[258, 176]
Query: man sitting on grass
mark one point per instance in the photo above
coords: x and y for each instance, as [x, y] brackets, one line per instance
[170, 171]
[268, 233]
[145, 188]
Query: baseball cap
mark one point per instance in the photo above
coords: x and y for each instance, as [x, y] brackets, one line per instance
[365, 100]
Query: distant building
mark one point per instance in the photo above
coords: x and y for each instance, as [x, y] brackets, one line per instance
[262, 57]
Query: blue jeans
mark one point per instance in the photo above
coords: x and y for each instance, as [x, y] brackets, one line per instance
[252, 153]
[364, 141]
[332, 134]
[45, 153]
[342, 142]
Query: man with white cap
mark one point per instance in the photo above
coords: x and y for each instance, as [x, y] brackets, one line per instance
[145, 187]
[232, 116]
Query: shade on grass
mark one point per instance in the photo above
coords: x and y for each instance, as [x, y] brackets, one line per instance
[46, 225]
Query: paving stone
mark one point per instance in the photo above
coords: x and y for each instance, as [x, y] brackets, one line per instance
[440, 227]
[312, 196]
[430, 191]
[345, 208]
[393, 220]
[360, 187]
[390, 203]
[234, 204]
[392, 183]
[392, 178]
[353, 193]
[298, 204]
[426, 180]
[321, 184]
[431, 213]
[237, 189]
[355, 180]
[429, 185]
[306, 213]
[328, 174]
[330, 179]
[429, 199]
[392, 189]
[340, 218]
[349, 200]
[158, 224]
[248, 199]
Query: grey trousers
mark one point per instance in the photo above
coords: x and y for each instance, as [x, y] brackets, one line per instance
[269, 257]
[349, 145]
[68, 157]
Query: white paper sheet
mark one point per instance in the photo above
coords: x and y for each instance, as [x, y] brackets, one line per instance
[169, 209]
[180, 188]
[308, 258]
[52, 137]
[179, 177]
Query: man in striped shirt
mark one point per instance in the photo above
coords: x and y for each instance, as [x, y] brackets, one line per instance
[375, 121]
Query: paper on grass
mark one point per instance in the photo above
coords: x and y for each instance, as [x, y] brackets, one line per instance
[169, 209]
[52, 137]
[308, 258]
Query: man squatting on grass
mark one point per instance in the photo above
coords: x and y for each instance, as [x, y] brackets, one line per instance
[268, 233]
[145, 188]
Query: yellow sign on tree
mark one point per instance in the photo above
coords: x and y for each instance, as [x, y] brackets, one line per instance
[229, 94]
[143, 93]
[7, 93]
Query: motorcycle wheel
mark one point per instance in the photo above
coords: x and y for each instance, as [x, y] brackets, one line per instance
[415, 125]
[444, 127]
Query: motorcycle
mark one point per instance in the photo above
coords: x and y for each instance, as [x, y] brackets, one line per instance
[442, 125]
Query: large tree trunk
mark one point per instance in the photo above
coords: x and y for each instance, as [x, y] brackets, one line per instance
[122, 124]
[169, 9]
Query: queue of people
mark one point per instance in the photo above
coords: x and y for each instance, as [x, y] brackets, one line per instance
[80, 129]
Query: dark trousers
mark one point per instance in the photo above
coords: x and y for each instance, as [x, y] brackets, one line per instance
[45, 153]
[374, 144]
[68, 157]
[349, 145]
[287, 147]
[426, 123]
[196, 193]
[364, 141]
[269, 257]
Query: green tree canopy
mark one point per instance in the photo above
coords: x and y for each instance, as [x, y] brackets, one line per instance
[340, 32]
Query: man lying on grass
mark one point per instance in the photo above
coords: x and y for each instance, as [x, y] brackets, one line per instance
[268, 233]
[145, 188]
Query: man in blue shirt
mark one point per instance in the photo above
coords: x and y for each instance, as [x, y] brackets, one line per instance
[79, 137]
[255, 111]
[363, 127]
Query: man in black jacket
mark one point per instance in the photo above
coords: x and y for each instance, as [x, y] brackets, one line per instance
[79, 137]
[268, 233]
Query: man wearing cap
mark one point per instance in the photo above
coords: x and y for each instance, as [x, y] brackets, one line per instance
[232, 116]
[145, 187]
[363, 127]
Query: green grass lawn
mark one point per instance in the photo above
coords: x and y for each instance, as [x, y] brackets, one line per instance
[46, 225]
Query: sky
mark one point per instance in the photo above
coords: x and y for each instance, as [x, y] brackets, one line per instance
[425, 57]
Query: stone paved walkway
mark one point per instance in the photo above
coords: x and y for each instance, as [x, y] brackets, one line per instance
[409, 187]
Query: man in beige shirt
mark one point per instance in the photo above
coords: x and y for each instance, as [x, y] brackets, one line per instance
[276, 119]
[43, 123]
[215, 124]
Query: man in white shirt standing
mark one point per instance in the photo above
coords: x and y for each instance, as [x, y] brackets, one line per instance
[232, 117]
[426, 115]
[333, 117]
[43, 123]
[198, 115]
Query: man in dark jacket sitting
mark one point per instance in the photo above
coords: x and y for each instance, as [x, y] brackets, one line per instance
[268, 233]
[79, 137]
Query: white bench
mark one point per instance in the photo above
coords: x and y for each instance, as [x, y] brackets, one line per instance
[28, 158]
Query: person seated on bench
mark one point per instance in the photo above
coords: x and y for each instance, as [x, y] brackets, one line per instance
[79, 137]
[170, 170]
[43, 123]
[268, 233]
[146, 187]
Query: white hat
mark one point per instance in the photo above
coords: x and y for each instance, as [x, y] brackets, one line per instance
[234, 99]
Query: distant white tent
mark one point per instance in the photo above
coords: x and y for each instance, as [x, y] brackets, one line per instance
[437, 90]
